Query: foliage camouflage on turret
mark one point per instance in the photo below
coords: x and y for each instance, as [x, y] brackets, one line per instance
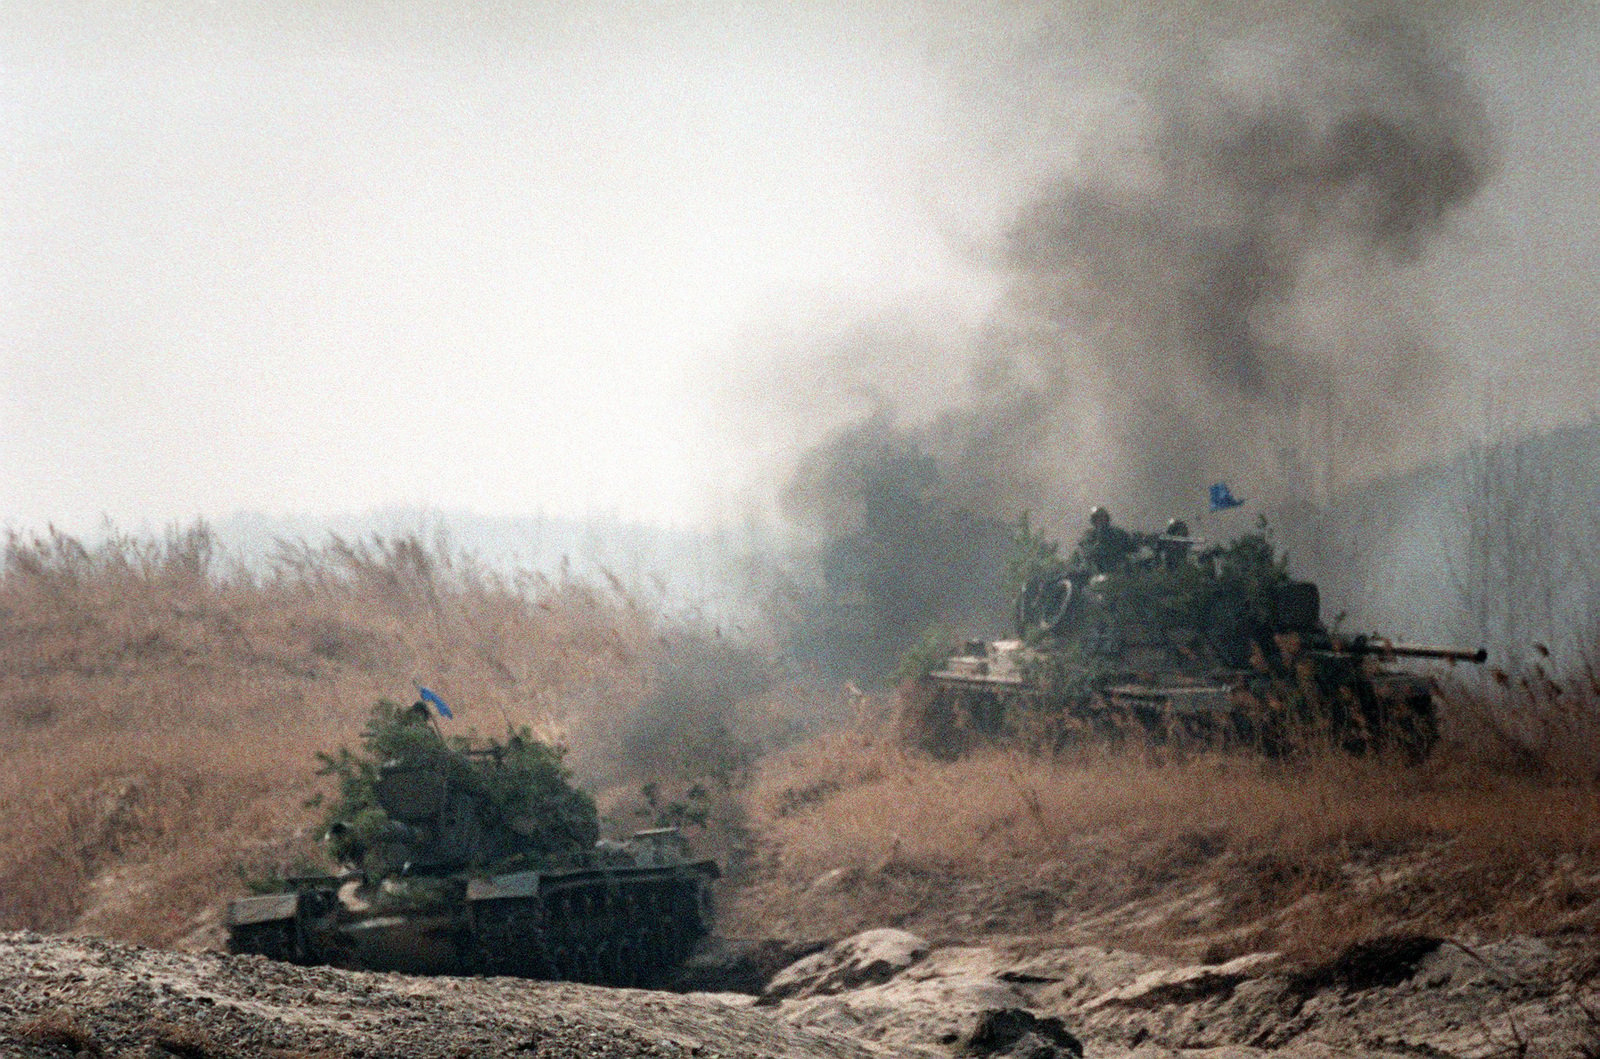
[1170, 595]
[521, 789]
[1179, 639]
[1247, 572]
[1032, 556]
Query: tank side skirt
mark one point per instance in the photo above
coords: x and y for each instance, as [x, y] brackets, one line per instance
[629, 927]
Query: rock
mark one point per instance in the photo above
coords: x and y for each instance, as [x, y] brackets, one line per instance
[1014, 1032]
[1386, 997]
[1379, 962]
[739, 965]
[1081, 972]
[59, 996]
[1185, 984]
[869, 958]
[909, 1012]
[1458, 965]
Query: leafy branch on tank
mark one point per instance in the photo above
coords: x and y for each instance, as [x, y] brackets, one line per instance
[927, 654]
[474, 858]
[691, 809]
[527, 810]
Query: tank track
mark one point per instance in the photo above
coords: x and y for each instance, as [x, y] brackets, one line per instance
[630, 928]
[276, 940]
[598, 930]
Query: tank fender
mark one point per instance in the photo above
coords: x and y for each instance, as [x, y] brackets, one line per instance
[499, 887]
[266, 908]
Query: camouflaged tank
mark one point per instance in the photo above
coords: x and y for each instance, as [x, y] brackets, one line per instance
[480, 861]
[1172, 640]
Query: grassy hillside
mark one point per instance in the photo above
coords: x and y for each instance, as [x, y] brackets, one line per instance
[160, 713]
[1209, 856]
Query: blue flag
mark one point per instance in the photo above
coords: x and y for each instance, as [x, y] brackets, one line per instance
[438, 703]
[1222, 498]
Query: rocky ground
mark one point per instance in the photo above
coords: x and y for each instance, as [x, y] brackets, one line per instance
[1397, 996]
[68, 997]
[884, 992]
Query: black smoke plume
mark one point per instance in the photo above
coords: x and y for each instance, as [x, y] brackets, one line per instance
[1216, 286]
[1229, 276]
[902, 549]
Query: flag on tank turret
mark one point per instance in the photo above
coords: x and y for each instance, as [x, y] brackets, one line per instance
[435, 701]
[1222, 498]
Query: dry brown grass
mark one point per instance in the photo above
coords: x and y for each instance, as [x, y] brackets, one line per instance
[1543, 721]
[1204, 853]
[159, 716]
[160, 713]
[60, 1030]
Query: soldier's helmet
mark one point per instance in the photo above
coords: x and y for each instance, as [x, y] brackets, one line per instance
[1177, 528]
[1099, 517]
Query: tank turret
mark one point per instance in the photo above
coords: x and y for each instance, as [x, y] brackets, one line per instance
[464, 859]
[1177, 639]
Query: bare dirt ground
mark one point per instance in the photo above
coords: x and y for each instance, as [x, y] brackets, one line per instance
[884, 992]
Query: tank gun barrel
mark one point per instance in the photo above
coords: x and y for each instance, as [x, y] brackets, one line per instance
[1377, 645]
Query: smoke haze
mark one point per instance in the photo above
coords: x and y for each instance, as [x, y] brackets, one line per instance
[1230, 259]
[1213, 274]
[961, 259]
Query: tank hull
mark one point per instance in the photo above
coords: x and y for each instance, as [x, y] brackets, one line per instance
[1010, 690]
[621, 926]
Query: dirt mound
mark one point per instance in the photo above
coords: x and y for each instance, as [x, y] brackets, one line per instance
[66, 997]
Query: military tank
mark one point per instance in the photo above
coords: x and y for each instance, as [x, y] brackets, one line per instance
[479, 860]
[1171, 639]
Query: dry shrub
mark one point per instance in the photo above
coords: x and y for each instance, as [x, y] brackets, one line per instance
[159, 716]
[59, 1029]
[1540, 722]
[133, 837]
[1213, 852]
[160, 710]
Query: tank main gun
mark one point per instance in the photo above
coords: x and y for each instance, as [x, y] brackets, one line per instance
[1383, 647]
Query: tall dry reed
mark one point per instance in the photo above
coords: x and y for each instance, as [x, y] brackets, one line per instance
[1207, 852]
[161, 707]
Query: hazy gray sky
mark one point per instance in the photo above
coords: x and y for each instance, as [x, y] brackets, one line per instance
[322, 256]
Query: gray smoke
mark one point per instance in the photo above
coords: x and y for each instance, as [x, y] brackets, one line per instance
[905, 548]
[1227, 275]
[1213, 282]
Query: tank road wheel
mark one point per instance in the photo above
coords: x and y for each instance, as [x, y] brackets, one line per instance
[488, 942]
[931, 721]
[276, 940]
[613, 960]
[652, 932]
[572, 927]
[560, 961]
[629, 941]
[690, 903]
[565, 963]
[507, 938]
[581, 924]
[592, 962]
[705, 911]
[985, 715]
